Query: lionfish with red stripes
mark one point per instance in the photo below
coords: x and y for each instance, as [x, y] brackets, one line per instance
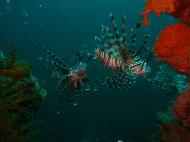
[124, 58]
[72, 80]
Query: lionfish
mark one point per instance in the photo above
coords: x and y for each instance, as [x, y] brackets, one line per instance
[124, 58]
[168, 79]
[72, 80]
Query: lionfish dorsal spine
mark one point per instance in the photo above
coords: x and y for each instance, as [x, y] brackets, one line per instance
[114, 26]
[134, 31]
[123, 29]
[143, 48]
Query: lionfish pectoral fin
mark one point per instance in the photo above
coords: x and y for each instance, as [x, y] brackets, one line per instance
[120, 80]
[52, 57]
[93, 85]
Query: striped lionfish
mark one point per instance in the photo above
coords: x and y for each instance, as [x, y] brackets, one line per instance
[116, 53]
[72, 80]
[168, 79]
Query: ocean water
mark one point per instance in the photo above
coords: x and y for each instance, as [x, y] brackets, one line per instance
[64, 26]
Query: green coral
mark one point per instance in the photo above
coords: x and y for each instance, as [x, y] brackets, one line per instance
[165, 117]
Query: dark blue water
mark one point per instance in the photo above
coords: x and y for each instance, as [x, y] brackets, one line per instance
[64, 26]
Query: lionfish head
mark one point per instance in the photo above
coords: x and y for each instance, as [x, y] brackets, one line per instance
[77, 75]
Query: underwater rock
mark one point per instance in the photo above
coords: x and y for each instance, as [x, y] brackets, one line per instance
[173, 47]
[20, 97]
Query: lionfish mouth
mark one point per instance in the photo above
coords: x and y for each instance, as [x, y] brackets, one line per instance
[108, 59]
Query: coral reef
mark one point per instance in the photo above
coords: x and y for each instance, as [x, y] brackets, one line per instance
[20, 97]
[182, 10]
[164, 118]
[12, 67]
[173, 47]
[171, 129]
[174, 132]
[181, 108]
[157, 7]
[175, 124]
[177, 8]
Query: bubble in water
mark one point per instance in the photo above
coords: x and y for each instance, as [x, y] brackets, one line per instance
[58, 112]
[40, 5]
